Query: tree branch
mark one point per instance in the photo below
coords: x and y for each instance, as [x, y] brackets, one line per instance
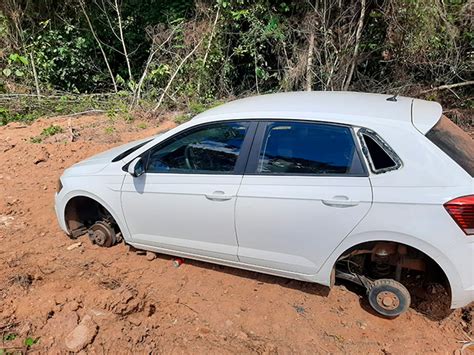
[81, 3]
[208, 48]
[119, 18]
[137, 93]
[360, 25]
[174, 75]
[448, 87]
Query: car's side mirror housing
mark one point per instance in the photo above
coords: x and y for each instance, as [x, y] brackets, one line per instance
[136, 167]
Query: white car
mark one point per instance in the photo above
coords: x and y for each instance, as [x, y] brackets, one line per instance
[370, 188]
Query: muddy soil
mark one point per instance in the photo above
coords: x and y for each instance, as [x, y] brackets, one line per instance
[58, 296]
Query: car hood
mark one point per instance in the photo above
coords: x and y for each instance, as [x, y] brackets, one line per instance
[97, 162]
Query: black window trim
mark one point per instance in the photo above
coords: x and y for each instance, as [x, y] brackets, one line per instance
[131, 150]
[241, 160]
[385, 147]
[252, 163]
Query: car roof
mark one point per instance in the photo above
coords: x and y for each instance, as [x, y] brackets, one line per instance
[333, 106]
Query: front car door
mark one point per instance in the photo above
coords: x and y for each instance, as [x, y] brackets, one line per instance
[304, 190]
[185, 200]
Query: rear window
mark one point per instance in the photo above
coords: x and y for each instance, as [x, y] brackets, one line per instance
[379, 154]
[455, 142]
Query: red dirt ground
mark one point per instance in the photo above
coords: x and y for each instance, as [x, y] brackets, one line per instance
[127, 303]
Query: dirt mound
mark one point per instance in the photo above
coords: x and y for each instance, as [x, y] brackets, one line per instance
[57, 299]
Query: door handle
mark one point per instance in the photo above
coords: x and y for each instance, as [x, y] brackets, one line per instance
[218, 196]
[340, 201]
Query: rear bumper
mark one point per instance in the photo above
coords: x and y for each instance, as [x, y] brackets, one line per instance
[462, 298]
[461, 276]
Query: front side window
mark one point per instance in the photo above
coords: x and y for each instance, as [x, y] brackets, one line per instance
[210, 149]
[305, 148]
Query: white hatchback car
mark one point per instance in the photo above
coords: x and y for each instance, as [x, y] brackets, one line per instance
[307, 185]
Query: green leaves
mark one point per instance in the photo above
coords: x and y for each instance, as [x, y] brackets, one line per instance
[16, 62]
[51, 131]
[17, 58]
[9, 337]
[63, 58]
[31, 341]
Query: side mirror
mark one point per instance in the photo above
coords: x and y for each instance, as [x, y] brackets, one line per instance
[136, 167]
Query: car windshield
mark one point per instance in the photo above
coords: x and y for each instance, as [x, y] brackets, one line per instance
[455, 142]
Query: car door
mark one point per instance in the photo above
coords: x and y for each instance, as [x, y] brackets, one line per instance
[304, 190]
[185, 200]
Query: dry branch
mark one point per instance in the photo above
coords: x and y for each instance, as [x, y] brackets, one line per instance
[309, 63]
[38, 94]
[174, 75]
[72, 136]
[81, 3]
[138, 90]
[83, 113]
[208, 47]
[360, 25]
[448, 87]
[122, 39]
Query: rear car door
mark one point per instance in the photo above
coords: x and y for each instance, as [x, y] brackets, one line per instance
[304, 190]
[185, 199]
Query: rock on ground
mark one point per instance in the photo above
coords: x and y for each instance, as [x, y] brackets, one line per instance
[82, 335]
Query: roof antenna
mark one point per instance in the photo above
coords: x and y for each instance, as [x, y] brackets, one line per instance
[393, 98]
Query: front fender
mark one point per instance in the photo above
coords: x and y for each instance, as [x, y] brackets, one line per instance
[115, 213]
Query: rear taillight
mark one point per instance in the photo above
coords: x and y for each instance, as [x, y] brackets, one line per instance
[462, 211]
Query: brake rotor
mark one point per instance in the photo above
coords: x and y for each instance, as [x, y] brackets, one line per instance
[102, 234]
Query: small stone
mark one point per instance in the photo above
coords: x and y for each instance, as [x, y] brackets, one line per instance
[204, 330]
[74, 246]
[25, 329]
[229, 323]
[73, 306]
[242, 335]
[135, 320]
[150, 256]
[82, 335]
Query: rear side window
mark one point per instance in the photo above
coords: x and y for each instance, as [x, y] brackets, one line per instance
[456, 143]
[303, 148]
[379, 154]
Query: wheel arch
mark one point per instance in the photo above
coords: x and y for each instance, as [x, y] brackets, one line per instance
[351, 242]
[117, 216]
